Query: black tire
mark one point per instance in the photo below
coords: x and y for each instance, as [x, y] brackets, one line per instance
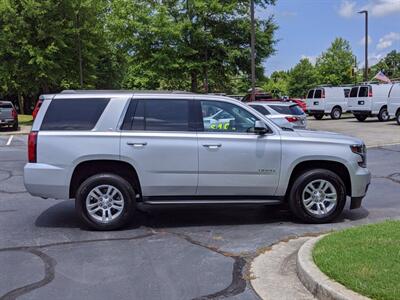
[318, 116]
[15, 126]
[295, 197]
[398, 117]
[383, 115]
[128, 194]
[336, 113]
[361, 118]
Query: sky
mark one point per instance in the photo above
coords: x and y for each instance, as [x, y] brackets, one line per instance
[308, 27]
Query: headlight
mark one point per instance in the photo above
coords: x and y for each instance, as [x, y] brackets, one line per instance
[362, 151]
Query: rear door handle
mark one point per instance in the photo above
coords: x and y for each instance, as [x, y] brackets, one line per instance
[136, 145]
[213, 146]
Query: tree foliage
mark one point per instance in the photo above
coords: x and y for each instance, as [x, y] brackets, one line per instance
[303, 77]
[389, 65]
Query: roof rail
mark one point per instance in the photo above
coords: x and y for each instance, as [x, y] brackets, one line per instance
[122, 91]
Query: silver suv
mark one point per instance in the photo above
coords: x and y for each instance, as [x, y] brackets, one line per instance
[111, 151]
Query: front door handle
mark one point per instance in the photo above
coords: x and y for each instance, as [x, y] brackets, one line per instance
[136, 145]
[212, 146]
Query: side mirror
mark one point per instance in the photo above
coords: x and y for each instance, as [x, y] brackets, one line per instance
[260, 128]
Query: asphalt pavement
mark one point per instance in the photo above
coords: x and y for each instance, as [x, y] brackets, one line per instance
[165, 253]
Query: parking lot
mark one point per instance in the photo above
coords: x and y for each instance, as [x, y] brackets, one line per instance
[165, 253]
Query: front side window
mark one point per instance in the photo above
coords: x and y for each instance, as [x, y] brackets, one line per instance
[310, 94]
[158, 115]
[226, 117]
[363, 92]
[73, 114]
[353, 92]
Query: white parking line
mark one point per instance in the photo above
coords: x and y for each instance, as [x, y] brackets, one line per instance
[9, 140]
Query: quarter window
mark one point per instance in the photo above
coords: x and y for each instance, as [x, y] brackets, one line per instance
[73, 114]
[226, 117]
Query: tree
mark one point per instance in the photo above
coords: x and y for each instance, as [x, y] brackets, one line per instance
[302, 77]
[389, 65]
[334, 64]
[48, 45]
[277, 84]
[183, 44]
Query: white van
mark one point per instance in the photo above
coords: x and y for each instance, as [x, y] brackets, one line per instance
[370, 100]
[327, 101]
[394, 102]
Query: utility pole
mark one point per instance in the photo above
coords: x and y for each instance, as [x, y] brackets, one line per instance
[366, 44]
[253, 51]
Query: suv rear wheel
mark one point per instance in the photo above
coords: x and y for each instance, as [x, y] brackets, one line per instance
[361, 118]
[336, 113]
[317, 196]
[383, 115]
[105, 202]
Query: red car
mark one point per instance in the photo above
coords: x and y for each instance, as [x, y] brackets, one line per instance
[37, 107]
[300, 102]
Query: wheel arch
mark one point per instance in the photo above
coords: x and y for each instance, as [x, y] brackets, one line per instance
[88, 168]
[337, 167]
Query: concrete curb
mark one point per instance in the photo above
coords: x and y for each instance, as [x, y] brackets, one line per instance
[320, 285]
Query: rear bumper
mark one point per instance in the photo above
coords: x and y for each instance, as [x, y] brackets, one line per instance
[46, 181]
[5, 122]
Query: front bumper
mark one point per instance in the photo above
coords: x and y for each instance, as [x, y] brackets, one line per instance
[360, 182]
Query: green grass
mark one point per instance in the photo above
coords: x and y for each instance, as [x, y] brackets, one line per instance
[365, 259]
[25, 119]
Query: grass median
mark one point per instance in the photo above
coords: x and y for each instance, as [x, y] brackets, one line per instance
[365, 259]
[25, 119]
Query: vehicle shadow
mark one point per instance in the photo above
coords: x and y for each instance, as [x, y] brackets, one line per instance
[62, 215]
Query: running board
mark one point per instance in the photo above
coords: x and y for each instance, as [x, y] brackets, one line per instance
[211, 200]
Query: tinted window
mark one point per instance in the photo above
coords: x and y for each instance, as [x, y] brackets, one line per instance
[318, 94]
[288, 110]
[346, 93]
[158, 115]
[226, 117]
[73, 114]
[261, 109]
[363, 92]
[353, 92]
[5, 105]
[310, 94]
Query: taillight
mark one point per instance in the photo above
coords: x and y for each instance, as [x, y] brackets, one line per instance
[32, 146]
[369, 92]
[323, 94]
[14, 114]
[292, 119]
[36, 109]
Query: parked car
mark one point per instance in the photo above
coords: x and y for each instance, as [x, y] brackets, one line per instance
[327, 100]
[394, 102]
[299, 102]
[370, 100]
[8, 115]
[111, 151]
[284, 114]
[259, 96]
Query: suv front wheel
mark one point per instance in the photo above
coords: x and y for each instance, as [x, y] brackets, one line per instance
[317, 196]
[105, 202]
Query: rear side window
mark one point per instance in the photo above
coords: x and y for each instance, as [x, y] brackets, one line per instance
[261, 109]
[318, 94]
[159, 115]
[310, 94]
[353, 92]
[73, 114]
[5, 105]
[288, 110]
[363, 92]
